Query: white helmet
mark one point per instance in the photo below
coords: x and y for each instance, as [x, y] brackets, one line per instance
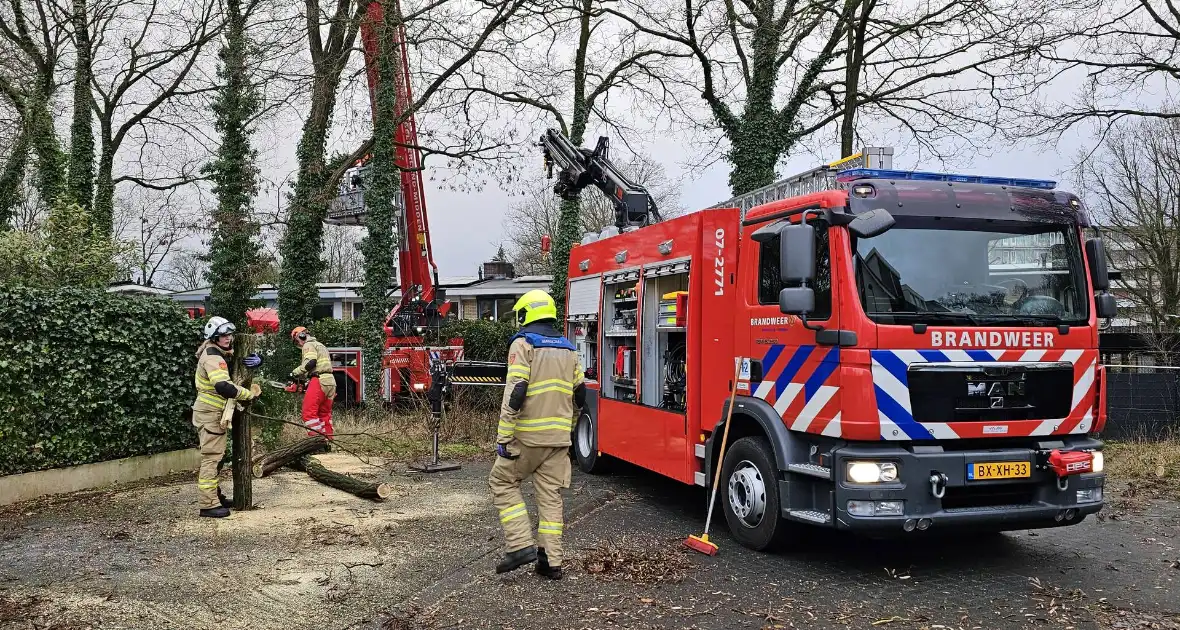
[218, 326]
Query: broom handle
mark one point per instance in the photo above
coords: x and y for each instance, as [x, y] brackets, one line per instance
[737, 370]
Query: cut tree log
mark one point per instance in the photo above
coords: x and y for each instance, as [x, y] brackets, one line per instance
[280, 457]
[351, 485]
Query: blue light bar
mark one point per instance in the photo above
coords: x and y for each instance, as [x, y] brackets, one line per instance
[855, 174]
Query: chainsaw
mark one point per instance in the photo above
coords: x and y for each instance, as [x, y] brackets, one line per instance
[293, 387]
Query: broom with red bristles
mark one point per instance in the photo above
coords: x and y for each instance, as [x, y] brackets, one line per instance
[701, 543]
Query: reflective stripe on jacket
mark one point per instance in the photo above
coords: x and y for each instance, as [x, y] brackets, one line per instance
[212, 369]
[314, 351]
[547, 374]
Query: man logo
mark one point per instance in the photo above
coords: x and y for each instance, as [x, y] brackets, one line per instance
[997, 402]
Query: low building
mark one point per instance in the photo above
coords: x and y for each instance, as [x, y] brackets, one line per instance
[489, 295]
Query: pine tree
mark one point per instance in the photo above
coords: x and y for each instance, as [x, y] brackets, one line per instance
[233, 252]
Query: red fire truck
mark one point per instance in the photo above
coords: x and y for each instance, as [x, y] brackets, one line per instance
[914, 350]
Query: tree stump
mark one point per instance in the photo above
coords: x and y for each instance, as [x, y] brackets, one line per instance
[351, 485]
[267, 463]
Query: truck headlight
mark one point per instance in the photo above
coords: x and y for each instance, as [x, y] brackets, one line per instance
[1097, 461]
[872, 472]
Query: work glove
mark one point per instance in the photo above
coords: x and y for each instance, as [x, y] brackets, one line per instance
[227, 416]
[255, 389]
[502, 451]
[252, 361]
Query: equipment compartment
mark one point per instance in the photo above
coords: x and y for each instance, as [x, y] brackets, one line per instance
[620, 325]
[665, 343]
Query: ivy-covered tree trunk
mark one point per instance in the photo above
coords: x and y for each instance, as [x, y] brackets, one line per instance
[51, 162]
[569, 223]
[302, 241]
[12, 176]
[760, 137]
[104, 189]
[81, 172]
[233, 252]
[380, 195]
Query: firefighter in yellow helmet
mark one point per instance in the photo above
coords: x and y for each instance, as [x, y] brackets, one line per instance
[533, 439]
[214, 391]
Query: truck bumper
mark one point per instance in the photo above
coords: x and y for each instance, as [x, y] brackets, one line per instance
[966, 503]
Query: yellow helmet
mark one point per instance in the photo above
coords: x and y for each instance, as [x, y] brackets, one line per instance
[535, 306]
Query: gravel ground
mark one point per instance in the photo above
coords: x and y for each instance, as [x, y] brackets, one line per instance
[313, 557]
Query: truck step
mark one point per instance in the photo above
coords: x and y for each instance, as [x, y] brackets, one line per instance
[811, 470]
[810, 516]
[699, 479]
[700, 450]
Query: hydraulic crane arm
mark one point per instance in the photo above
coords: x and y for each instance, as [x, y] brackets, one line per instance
[580, 168]
[418, 274]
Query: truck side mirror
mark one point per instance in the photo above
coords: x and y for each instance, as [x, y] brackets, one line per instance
[871, 223]
[1096, 255]
[796, 253]
[1105, 306]
[796, 301]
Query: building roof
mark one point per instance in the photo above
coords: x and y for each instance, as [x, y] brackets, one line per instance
[131, 288]
[502, 286]
[461, 286]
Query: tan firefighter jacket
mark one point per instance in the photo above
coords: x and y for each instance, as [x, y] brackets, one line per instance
[213, 382]
[544, 379]
[316, 362]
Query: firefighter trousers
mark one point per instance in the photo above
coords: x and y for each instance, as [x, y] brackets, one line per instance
[550, 470]
[212, 440]
[317, 408]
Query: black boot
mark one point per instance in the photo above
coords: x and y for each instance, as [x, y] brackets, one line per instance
[516, 559]
[217, 512]
[225, 503]
[543, 568]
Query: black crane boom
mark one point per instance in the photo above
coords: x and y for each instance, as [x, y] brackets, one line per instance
[580, 168]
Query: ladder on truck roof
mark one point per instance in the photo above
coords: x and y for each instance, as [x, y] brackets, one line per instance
[814, 180]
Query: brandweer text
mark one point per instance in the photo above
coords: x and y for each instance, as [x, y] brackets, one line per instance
[992, 339]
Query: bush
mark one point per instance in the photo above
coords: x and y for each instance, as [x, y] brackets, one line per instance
[483, 340]
[86, 376]
[67, 253]
[336, 333]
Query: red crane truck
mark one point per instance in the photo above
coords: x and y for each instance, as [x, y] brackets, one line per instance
[898, 371]
[407, 360]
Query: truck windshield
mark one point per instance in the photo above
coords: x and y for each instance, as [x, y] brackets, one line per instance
[948, 271]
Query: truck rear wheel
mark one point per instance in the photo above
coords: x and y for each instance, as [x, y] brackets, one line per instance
[749, 494]
[585, 444]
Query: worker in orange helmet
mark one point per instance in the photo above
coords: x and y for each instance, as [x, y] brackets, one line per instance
[316, 365]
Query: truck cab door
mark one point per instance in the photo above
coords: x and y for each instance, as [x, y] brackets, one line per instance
[798, 366]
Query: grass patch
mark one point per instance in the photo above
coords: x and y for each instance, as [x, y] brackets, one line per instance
[1142, 471]
[403, 433]
[1143, 460]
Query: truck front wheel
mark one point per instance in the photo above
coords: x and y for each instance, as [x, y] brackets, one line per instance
[749, 494]
[585, 440]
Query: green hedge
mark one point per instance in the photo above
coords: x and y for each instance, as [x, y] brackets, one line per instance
[483, 340]
[86, 376]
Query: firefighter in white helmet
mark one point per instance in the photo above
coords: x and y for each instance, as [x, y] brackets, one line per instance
[214, 391]
[536, 417]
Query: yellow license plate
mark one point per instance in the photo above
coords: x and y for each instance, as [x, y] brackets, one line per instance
[998, 470]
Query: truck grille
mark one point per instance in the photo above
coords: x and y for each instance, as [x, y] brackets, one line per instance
[990, 393]
[974, 497]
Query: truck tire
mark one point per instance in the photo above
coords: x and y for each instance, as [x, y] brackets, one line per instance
[748, 494]
[585, 445]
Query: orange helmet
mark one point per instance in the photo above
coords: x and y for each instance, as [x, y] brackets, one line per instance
[299, 332]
